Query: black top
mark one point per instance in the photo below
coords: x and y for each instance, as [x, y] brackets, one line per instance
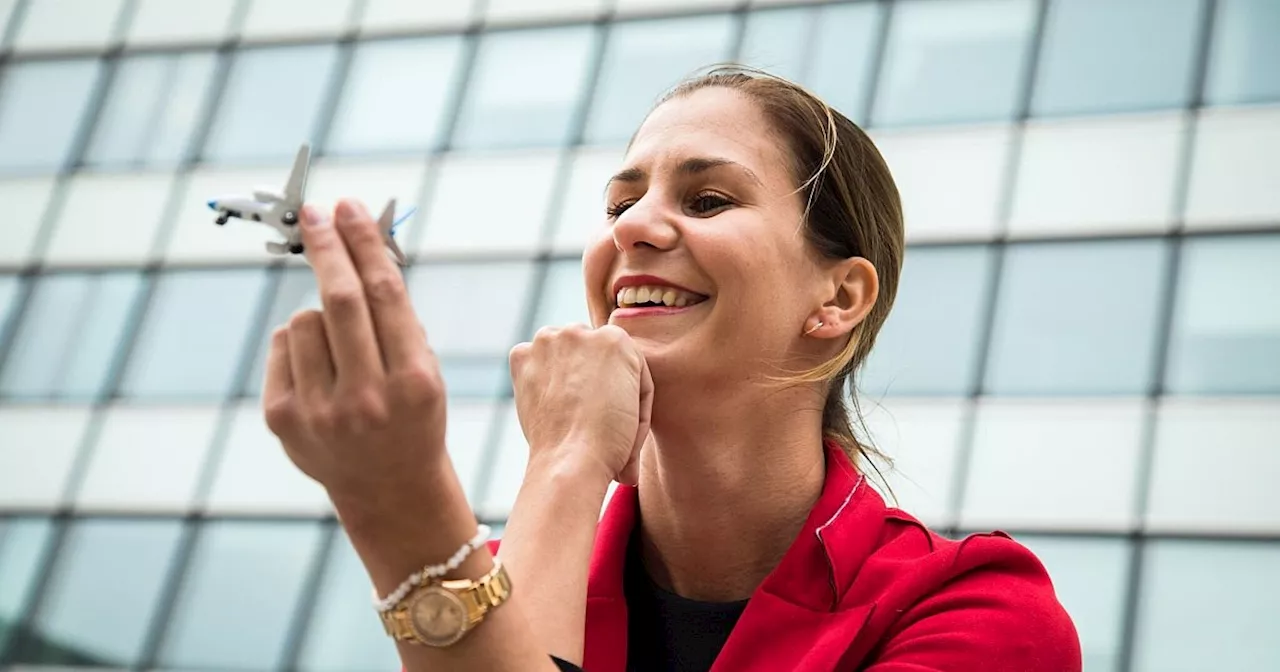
[666, 632]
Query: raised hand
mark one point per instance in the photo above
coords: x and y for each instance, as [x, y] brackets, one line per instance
[354, 392]
[584, 395]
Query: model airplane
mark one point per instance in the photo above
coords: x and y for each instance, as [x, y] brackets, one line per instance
[280, 211]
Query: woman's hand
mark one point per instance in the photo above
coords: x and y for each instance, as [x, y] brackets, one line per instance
[584, 395]
[354, 392]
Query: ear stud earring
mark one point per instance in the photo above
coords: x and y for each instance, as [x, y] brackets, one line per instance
[813, 328]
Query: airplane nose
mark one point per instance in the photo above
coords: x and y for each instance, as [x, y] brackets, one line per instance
[213, 205]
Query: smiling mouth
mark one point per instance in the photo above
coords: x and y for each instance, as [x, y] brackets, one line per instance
[656, 296]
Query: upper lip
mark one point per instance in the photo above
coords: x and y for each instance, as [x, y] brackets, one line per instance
[642, 280]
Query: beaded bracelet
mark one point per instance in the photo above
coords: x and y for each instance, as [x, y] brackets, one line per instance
[430, 572]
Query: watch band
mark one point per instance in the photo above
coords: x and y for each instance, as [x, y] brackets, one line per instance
[442, 612]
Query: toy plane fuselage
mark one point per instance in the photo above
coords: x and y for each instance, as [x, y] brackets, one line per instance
[281, 211]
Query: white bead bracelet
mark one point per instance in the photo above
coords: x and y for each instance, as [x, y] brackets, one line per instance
[430, 572]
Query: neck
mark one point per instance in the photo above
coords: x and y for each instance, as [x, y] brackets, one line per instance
[724, 491]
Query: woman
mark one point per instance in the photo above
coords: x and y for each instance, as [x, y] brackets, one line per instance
[751, 254]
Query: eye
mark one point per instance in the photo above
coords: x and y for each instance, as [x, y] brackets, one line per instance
[613, 211]
[707, 202]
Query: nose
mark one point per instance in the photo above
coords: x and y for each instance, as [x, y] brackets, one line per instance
[644, 226]
[213, 204]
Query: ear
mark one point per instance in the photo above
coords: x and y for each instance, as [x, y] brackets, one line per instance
[853, 291]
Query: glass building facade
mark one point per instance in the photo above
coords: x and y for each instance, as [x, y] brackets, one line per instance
[1085, 351]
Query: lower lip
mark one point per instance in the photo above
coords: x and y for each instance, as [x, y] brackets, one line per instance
[649, 311]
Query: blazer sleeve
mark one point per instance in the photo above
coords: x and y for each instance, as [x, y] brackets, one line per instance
[998, 612]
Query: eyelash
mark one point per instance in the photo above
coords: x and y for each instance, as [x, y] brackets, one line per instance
[616, 210]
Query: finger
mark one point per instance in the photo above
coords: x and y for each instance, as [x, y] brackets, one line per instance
[310, 362]
[278, 382]
[646, 406]
[398, 332]
[349, 329]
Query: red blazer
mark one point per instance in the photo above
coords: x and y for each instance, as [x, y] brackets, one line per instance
[863, 587]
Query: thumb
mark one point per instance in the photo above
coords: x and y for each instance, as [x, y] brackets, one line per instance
[630, 473]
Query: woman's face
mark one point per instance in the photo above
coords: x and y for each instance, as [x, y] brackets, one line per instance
[703, 259]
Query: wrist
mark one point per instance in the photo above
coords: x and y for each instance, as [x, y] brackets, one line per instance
[570, 467]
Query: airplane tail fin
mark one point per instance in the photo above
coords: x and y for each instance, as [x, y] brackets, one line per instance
[387, 224]
[297, 184]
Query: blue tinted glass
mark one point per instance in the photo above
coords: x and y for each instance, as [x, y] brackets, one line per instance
[297, 291]
[9, 286]
[240, 596]
[272, 103]
[152, 109]
[340, 638]
[42, 105]
[104, 592]
[475, 377]
[777, 40]
[1226, 329]
[1237, 582]
[69, 336]
[511, 102]
[387, 106]
[23, 545]
[929, 344]
[1116, 55]
[1077, 318]
[645, 58]
[193, 334]
[1244, 53]
[959, 61]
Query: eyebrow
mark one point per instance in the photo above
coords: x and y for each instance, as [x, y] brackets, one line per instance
[687, 167]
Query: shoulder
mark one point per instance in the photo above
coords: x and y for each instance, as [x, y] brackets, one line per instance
[983, 602]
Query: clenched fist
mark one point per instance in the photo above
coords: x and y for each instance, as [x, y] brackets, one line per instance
[584, 395]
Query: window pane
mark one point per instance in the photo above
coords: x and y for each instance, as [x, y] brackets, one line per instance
[275, 19]
[194, 332]
[646, 6]
[272, 103]
[1090, 577]
[1077, 318]
[953, 61]
[39, 447]
[1029, 466]
[103, 593]
[467, 437]
[1215, 466]
[1111, 176]
[169, 22]
[84, 236]
[24, 203]
[446, 296]
[464, 214]
[6, 15]
[564, 297]
[339, 638]
[1092, 60]
[23, 543]
[46, 24]
[387, 107]
[214, 626]
[42, 104]
[503, 482]
[10, 287]
[929, 344]
[135, 440]
[296, 291]
[152, 109]
[1244, 42]
[1226, 325]
[70, 336]
[255, 476]
[582, 208]
[523, 10]
[1234, 172]
[777, 40]
[645, 58]
[476, 377]
[951, 180]
[923, 439]
[1235, 580]
[511, 102]
[399, 16]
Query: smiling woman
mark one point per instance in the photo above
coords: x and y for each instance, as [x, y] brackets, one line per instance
[750, 254]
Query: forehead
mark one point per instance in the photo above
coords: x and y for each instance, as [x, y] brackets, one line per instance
[712, 122]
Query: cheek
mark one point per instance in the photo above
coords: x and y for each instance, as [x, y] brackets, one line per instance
[597, 263]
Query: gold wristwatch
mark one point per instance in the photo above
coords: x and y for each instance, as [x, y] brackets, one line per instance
[439, 613]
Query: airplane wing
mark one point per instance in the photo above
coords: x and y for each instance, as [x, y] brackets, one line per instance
[387, 224]
[297, 185]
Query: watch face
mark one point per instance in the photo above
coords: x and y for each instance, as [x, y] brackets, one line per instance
[439, 617]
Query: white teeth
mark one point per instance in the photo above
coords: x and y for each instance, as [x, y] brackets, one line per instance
[632, 296]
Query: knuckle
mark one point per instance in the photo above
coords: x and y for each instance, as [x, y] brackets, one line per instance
[342, 298]
[546, 333]
[281, 416]
[305, 320]
[385, 288]
[418, 384]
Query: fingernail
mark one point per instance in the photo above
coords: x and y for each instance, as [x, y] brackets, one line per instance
[347, 210]
[314, 217]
